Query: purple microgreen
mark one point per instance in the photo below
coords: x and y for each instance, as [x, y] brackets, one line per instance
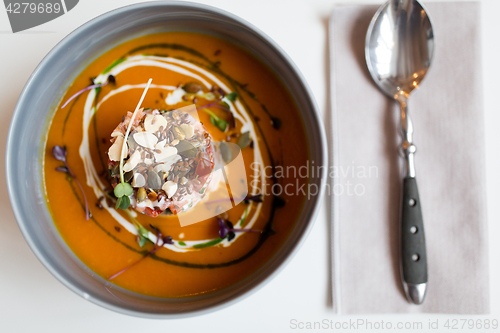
[245, 230]
[226, 228]
[223, 229]
[62, 169]
[168, 240]
[84, 90]
[157, 246]
[217, 102]
[221, 92]
[59, 154]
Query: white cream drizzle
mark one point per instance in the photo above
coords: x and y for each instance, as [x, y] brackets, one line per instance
[175, 95]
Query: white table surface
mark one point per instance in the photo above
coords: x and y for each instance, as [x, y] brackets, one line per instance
[31, 299]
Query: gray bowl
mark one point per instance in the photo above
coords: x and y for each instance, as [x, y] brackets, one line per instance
[46, 86]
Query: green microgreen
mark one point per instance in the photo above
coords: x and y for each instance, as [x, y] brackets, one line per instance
[216, 121]
[207, 244]
[244, 216]
[116, 62]
[123, 190]
[232, 96]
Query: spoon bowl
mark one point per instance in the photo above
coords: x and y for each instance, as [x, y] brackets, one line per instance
[399, 47]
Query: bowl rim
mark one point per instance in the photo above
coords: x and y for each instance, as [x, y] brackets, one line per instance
[285, 258]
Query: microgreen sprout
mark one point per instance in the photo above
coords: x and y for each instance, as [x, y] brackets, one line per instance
[160, 242]
[216, 121]
[123, 190]
[111, 79]
[226, 229]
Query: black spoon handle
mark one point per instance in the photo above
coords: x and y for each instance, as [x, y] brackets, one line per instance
[413, 253]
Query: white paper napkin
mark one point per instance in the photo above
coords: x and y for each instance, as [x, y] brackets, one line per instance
[448, 120]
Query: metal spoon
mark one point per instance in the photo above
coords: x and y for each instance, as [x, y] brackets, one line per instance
[399, 48]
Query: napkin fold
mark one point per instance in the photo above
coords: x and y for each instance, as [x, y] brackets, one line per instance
[447, 114]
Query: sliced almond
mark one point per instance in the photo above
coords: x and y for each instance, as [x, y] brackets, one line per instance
[115, 150]
[166, 154]
[116, 132]
[146, 139]
[138, 180]
[153, 123]
[170, 187]
[188, 130]
[132, 161]
[162, 167]
[161, 144]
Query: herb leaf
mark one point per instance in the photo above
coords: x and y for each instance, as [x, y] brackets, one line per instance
[216, 121]
[59, 153]
[122, 203]
[232, 96]
[207, 244]
[110, 67]
[123, 189]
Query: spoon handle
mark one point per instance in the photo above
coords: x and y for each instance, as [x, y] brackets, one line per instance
[413, 252]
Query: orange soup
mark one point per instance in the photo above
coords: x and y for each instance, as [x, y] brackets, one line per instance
[238, 100]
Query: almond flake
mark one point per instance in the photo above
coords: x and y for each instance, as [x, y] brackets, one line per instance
[114, 152]
[132, 161]
[188, 130]
[170, 187]
[146, 139]
[166, 154]
[161, 144]
[153, 123]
